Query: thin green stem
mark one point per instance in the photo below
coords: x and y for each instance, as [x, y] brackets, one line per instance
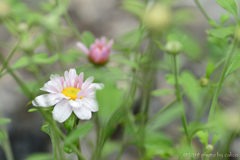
[61, 135]
[53, 139]
[74, 28]
[221, 80]
[18, 80]
[202, 10]
[10, 55]
[179, 98]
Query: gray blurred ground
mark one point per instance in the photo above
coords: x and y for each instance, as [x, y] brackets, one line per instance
[101, 17]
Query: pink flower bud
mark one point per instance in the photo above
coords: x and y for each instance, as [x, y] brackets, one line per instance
[99, 52]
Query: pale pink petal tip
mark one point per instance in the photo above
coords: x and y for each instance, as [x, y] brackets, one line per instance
[83, 47]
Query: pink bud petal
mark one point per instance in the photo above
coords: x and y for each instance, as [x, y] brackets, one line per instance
[82, 47]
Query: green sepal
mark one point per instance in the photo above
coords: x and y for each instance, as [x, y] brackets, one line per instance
[69, 123]
[46, 128]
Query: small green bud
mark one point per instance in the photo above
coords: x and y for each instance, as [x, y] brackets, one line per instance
[5, 9]
[174, 47]
[204, 82]
[209, 148]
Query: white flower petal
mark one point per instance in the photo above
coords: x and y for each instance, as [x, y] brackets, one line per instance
[80, 81]
[72, 76]
[77, 103]
[56, 80]
[90, 104]
[97, 85]
[87, 83]
[47, 100]
[67, 79]
[49, 88]
[82, 113]
[62, 111]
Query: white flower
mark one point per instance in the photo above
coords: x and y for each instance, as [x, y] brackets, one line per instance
[69, 95]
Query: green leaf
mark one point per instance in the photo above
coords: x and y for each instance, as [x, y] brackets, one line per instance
[215, 138]
[127, 62]
[32, 110]
[46, 128]
[109, 99]
[67, 58]
[224, 18]
[135, 7]
[171, 79]
[88, 38]
[203, 137]
[234, 65]
[166, 118]
[209, 69]
[230, 6]
[2, 135]
[4, 121]
[41, 58]
[78, 132]
[161, 92]
[21, 63]
[40, 156]
[70, 122]
[190, 85]
[221, 32]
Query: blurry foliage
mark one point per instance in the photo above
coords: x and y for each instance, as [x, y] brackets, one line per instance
[41, 50]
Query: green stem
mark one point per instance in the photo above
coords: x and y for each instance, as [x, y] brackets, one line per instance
[74, 28]
[179, 98]
[221, 80]
[178, 95]
[53, 139]
[18, 80]
[10, 55]
[202, 10]
[61, 135]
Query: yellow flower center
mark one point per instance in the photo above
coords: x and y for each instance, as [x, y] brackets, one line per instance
[71, 92]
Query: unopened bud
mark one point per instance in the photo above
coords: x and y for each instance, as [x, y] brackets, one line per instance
[5, 9]
[173, 47]
[158, 17]
[209, 148]
[22, 27]
[204, 82]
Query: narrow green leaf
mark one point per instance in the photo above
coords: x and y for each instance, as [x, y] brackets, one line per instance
[4, 121]
[209, 69]
[230, 6]
[40, 156]
[32, 110]
[161, 92]
[76, 133]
